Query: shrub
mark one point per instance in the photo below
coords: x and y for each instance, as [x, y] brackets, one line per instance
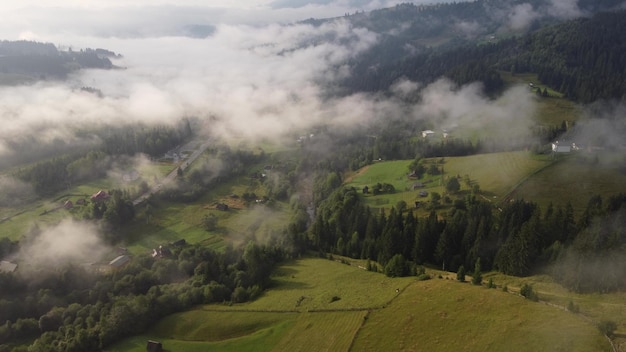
[424, 277]
[572, 307]
[397, 266]
[607, 327]
[528, 292]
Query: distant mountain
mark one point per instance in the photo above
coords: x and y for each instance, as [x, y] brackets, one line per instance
[583, 58]
[24, 61]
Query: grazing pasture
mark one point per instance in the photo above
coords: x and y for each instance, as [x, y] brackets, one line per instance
[446, 315]
[299, 314]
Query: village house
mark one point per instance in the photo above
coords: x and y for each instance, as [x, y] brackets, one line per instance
[161, 252]
[561, 148]
[428, 133]
[154, 346]
[179, 243]
[119, 261]
[100, 196]
[7, 267]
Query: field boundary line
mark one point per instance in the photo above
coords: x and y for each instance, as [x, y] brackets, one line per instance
[523, 180]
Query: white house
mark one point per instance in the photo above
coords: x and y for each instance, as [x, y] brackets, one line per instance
[428, 133]
[7, 267]
[560, 148]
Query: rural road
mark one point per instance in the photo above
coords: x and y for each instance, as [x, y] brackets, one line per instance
[172, 175]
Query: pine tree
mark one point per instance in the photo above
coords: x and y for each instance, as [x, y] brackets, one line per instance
[477, 276]
[460, 274]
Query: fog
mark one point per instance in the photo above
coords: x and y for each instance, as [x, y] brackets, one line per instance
[68, 242]
[257, 74]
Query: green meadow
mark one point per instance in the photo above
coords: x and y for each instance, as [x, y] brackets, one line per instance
[574, 178]
[497, 174]
[446, 315]
[318, 284]
[299, 314]
[551, 110]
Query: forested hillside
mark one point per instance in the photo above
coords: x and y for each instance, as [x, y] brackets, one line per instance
[589, 50]
[519, 239]
[35, 61]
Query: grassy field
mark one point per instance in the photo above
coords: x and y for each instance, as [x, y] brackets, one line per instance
[276, 321]
[47, 211]
[328, 331]
[552, 110]
[436, 315]
[497, 174]
[572, 180]
[242, 332]
[311, 284]
[445, 315]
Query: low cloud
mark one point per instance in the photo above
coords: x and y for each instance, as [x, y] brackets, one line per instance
[469, 110]
[244, 81]
[522, 16]
[69, 242]
[601, 128]
[14, 192]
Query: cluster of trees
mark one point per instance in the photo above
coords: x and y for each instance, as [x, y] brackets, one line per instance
[52, 175]
[518, 239]
[220, 164]
[74, 308]
[151, 140]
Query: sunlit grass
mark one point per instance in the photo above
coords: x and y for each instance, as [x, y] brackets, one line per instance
[445, 315]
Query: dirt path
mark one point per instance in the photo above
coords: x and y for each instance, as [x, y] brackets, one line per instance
[357, 173]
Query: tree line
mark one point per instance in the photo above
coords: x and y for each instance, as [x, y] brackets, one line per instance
[517, 239]
[52, 175]
[73, 308]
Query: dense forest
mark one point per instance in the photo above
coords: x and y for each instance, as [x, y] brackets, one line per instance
[583, 59]
[519, 239]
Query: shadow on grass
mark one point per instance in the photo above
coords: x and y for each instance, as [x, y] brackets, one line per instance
[279, 285]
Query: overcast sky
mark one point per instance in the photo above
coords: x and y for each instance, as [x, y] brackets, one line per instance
[41, 19]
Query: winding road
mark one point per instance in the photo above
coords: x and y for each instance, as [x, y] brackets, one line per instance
[169, 178]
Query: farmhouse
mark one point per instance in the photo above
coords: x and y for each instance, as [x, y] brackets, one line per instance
[68, 204]
[7, 267]
[560, 148]
[417, 185]
[179, 243]
[154, 346]
[119, 261]
[99, 196]
[161, 252]
[428, 133]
